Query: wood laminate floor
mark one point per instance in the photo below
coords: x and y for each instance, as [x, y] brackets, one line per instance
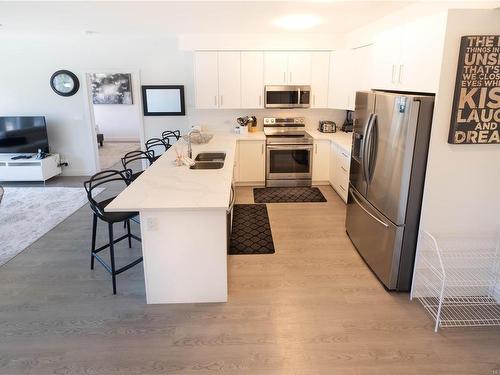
[311, 308]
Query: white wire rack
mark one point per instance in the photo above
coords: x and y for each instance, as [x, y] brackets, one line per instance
[457, 279]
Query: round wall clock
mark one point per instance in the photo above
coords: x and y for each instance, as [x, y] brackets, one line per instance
[64, 83]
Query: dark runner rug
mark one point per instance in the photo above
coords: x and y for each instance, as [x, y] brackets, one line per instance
[251, 232]
[287, 195]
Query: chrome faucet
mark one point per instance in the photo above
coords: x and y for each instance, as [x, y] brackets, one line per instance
[190, 150]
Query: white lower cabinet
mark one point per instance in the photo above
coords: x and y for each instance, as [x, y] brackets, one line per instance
[321, 161]
[251, 162]
[340, 160]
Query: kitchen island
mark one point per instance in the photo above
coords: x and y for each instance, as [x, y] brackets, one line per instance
[183, 216]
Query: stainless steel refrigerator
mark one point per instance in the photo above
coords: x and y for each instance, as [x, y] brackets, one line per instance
[388, 161]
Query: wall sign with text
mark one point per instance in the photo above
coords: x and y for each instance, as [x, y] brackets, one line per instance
[475, 117]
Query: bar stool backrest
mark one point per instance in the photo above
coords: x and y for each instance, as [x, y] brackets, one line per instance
[99, 180]
[158, 146]
[171, 134]
[136, 158]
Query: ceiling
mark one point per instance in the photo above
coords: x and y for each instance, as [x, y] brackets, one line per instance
[188, 17]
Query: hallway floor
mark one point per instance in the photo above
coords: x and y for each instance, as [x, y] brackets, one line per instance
[112, 152]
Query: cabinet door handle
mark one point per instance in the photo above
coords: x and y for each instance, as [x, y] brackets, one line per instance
[221, 100]
[393, 72]
[345, 170]
[340, 186]
[262, 149]
[284, 77]
[400, 74]
[314, 99]
[215, 100]
[345, 154]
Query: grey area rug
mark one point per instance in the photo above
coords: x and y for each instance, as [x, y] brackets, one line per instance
[251, 232]
[287, 195]
[27, 213]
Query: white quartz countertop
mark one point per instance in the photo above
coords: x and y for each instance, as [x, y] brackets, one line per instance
[166, 186]
[342, 139]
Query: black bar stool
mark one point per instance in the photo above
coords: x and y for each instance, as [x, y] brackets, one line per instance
[171, 134]
[154, 144]
[100, 179]
[133, 158]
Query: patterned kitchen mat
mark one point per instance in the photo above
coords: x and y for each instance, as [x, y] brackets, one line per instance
[251, 233]
[287, 195]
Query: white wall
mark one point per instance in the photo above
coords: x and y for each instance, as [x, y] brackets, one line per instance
[27, 61]
[462, 181]
[118, 122]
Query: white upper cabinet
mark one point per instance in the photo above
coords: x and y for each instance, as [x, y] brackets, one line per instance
[229, 79]
[341, 83]
[350, 71]
[386, 56]
[275, 68]
[363, 68]
[206, 80]
[299, 68]
[252, 79]
[421, 52]
[320, 67]
[409, 57]
[287, 68]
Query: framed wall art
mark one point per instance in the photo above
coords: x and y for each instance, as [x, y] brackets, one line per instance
[163, 100]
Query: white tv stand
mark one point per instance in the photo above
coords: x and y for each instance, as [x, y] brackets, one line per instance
[29, 169]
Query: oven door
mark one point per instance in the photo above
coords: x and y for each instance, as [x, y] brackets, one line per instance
[287, 96]
[289, 162]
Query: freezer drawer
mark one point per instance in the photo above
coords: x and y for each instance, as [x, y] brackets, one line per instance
[377, 239]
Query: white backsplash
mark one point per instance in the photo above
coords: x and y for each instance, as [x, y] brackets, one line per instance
[222, 120]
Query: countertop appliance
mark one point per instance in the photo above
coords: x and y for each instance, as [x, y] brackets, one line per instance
[388, 163]
[347, 126]
[326, 126]
[289, 152]
[287, 96]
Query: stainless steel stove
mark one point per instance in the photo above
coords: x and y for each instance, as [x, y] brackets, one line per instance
[289, 152]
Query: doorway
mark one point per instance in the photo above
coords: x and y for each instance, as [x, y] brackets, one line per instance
[115, 115]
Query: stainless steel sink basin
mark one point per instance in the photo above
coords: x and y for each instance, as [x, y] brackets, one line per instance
[211, 156]
[207, 165]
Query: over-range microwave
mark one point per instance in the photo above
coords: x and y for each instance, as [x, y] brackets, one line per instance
[287, 96]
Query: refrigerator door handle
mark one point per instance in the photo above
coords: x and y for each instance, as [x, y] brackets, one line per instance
[373, 141]
[353, 194]
[366, 142]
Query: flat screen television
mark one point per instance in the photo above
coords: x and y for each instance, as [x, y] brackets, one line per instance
[23, 134]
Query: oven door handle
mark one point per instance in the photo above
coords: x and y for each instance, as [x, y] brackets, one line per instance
[289, 147]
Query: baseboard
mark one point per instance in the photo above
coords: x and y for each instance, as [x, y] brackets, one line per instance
[256, 184]
[121, 140]
[321, 183]
[76, 173]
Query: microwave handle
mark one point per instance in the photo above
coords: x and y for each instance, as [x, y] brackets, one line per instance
[298, 96]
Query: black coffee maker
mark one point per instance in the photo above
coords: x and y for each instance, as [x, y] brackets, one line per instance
[348, 124]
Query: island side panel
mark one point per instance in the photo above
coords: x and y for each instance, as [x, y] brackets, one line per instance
[185, 255]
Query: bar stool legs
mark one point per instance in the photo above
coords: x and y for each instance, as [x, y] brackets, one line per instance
[128, 234]
[111, 268]
[94, 233]
[112, 255]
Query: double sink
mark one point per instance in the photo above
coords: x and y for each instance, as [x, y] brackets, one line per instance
[209, 160]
